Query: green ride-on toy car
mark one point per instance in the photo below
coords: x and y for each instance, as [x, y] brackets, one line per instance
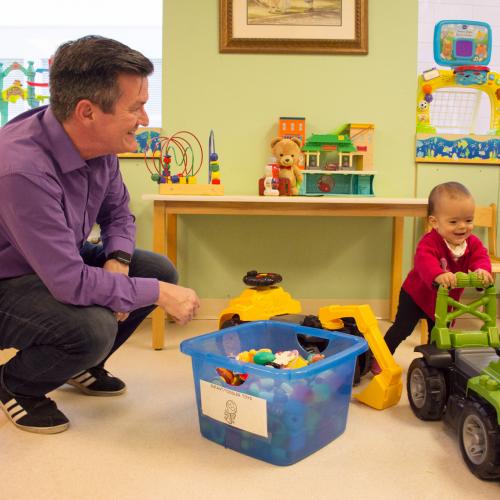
[458, 377]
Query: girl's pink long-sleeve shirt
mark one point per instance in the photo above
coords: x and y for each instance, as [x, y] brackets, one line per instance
[433, 258]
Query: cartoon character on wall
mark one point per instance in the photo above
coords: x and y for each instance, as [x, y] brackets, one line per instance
[288, 154]
[447, 49]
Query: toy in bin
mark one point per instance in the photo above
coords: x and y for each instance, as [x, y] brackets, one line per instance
[458, 377]
[283, 360]
[277, 415]
[264, 300]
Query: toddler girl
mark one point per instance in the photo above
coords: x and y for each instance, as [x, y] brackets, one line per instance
[450, 247]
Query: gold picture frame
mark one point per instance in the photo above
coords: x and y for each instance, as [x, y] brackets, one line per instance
[259, 26]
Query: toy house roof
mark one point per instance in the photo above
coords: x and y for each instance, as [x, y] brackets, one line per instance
[321, 142]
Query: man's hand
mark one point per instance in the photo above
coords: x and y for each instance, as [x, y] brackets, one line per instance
[115, 266]
[448, 280]
[485, 276]
[181, 303]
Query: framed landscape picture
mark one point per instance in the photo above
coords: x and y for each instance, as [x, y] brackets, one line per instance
[294, 26]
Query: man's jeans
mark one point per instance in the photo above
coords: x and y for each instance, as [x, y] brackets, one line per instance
[56, 341]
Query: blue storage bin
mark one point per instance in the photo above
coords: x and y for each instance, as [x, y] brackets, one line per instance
[279, 416]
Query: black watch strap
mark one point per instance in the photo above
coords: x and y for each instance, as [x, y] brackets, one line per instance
[121, 256]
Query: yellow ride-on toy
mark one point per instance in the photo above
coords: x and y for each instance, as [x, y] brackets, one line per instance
[263, 300]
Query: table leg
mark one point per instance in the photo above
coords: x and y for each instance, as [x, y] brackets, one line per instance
[172, 238]
[159, 230]
[397, 265]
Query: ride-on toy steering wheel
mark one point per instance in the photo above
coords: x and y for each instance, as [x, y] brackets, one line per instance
[254, 278]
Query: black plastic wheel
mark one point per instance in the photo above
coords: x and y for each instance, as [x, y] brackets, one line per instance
[426, 388]
[235, 320]
[363, 361]
[479, 435]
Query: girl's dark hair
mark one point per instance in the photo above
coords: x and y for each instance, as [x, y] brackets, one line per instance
[88, 68]
[451, 189]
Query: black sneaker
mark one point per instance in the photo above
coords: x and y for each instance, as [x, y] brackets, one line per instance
[32, 414]
[98, 382]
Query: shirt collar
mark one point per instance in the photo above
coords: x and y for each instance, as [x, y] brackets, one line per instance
[457, 251]
[62, 147]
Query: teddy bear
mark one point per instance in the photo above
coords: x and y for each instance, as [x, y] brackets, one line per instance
[288, 156]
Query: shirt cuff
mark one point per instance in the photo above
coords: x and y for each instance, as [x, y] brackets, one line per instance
[114, 244]
[147, 291]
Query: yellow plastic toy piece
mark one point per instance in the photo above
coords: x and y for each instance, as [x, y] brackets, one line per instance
[384, 390]
[261, 303]
[298, 362]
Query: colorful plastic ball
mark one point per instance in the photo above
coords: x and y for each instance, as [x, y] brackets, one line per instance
[427, 88]
[321, 392]
[214, 157]
[254, 389]
[279, 455]
[302, 393]
[280, 397]
[267, 383]
[267, 395]
[428, 98]
[286, 388]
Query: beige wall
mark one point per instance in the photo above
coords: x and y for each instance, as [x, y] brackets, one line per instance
[240, 97]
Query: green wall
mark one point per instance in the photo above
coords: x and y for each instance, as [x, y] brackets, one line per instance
[240, 97]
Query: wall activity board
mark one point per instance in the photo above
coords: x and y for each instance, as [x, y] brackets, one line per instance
[31, 93]
[465, 46]
[143, 136]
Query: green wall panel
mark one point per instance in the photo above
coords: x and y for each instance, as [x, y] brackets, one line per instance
[240, 97]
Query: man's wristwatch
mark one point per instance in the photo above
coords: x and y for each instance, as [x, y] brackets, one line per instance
[120, 256]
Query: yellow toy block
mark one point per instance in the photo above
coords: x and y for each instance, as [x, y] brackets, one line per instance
[192, 189]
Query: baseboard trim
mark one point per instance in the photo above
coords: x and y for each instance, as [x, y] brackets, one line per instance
[211, 308]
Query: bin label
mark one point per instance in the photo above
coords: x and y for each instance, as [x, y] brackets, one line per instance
[234, 408]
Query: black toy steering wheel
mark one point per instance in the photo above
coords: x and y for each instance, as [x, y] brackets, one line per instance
[254, 278]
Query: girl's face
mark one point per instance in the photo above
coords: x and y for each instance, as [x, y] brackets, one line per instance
[453, 219]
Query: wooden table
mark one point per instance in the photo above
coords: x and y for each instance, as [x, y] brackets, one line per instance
[168, 207]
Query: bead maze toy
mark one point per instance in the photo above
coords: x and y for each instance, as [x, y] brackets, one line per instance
[263, 300]
[458, 377]
[465, 46]
[175, 161]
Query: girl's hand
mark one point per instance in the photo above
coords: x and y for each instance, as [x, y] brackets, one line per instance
[485, 276]
[448, 280]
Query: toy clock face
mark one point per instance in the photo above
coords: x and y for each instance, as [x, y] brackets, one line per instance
[459, 43]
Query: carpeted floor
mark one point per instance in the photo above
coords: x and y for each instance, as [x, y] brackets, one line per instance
[146, 445]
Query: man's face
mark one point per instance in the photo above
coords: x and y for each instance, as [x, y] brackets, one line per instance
[119, 127]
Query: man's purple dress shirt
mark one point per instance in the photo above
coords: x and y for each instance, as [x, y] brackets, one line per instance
[50, 198]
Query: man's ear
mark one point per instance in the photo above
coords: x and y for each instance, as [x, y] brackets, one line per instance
[84, 111]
